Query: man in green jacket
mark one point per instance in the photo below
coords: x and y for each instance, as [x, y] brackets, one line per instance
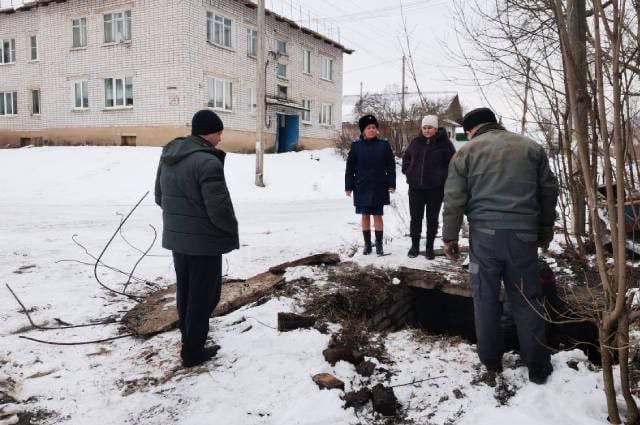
[199, 225]
[503, 183]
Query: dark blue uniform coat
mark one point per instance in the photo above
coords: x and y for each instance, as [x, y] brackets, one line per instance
[371, 172]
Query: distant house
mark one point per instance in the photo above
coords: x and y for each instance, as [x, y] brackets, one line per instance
[133, 73]
[449, 111]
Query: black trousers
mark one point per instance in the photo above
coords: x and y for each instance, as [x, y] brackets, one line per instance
[199, 282]
[509, 256]
[419, 200]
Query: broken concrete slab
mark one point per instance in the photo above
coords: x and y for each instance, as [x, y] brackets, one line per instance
[327, 258]
[157, 313]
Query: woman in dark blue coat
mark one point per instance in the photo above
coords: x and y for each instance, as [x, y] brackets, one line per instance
[370, 176]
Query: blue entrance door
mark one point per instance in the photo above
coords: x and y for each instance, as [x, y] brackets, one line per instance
[287, 132]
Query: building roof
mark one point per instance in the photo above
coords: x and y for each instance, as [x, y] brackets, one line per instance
[349, 102]
[30, 4]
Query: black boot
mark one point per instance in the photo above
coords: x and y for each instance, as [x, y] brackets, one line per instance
[379, 250]
[415, 248]
[429, 251]
[367, 242]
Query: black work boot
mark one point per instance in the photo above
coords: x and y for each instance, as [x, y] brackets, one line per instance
[494, 369]
[379, 250]
[429, 251]
[539, 374]
[367, 242]
[415, 248]
[203, 356]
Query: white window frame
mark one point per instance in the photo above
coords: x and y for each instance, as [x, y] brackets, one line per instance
[326, 68]
[11, 49]
[283, 43]
[252, 42]
[79, 24]
[253, 100]
[325, 116]
[114, 92]
[220, 94]
[83, 85]
[33, 104]
[5, 103]
[280, 68]
[34, 49]
[306, 115]
[112, 35]
[218, 27]
[306, 61]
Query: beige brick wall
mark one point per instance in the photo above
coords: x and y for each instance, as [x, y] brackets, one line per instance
[170, 62]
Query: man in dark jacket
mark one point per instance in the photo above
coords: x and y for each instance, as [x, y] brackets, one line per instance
[503, 183]
[425, 163]
[199, 225]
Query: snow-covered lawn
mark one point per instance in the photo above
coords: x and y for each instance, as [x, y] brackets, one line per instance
[260, 376]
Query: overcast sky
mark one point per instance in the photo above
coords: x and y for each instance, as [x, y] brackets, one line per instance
[373, 28]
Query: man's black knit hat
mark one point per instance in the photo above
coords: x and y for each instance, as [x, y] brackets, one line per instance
[478, 116]
[205, 122]
[365, 121]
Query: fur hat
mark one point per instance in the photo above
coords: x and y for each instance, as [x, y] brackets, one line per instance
[431, 120]
[206, 122]
[478, 116]
[365, 121]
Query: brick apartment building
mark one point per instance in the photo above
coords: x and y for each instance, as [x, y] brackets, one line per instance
[132, 72]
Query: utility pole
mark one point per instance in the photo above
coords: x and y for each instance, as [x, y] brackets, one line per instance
[402, 104]
[260, 96]
[361, 99]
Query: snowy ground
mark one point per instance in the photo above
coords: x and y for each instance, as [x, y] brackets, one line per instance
[260, 376]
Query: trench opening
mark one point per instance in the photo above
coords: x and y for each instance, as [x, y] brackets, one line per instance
[441, 313]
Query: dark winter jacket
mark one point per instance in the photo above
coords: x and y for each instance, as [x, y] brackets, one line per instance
[197, 213]
[370, 172]
[426, 160]
[500, 180]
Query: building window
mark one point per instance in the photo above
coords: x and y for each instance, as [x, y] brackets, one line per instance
[35, 102]
[8, 50]
[281, 70]
[79, 26]
[219, 30]
[253, 96]
[220, 94]
[252, 42]
[326, 68]
[306, 115]
[306, 61]
[117, 27]
[326, 114]
[34, 47]
[9, 103]
[281, 47]
[81, 94]
[118, 92]
[282, 91]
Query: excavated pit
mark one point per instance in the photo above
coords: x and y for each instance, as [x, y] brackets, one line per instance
[439, 303]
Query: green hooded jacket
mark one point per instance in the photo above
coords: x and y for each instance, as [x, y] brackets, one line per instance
[197, 212]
